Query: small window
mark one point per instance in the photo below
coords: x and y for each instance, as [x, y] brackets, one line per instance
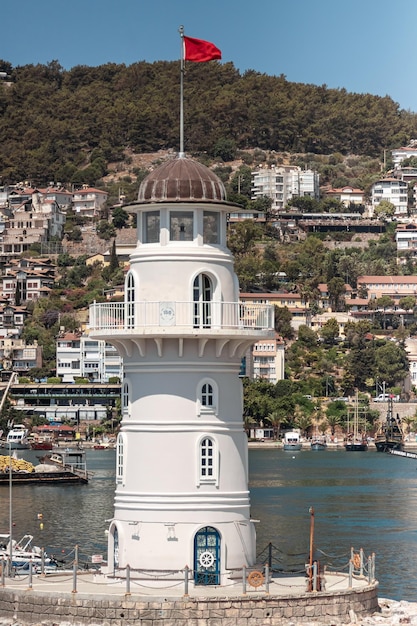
[207, 461]
[211, 227]
[181, 226]
[207, 396]
[126, 400]
[151, 227]
[130, 300]
[120, 465]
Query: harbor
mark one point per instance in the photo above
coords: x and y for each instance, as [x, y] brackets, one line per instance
[348, 491]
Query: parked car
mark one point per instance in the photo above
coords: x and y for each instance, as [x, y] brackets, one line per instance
[384, 397]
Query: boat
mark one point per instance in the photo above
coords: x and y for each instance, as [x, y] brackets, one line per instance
[356, 440]
[23, 552]
[63, 467]
[390, 436]
[292, 441]
[318, 443]
[41, 444]
[17, 438]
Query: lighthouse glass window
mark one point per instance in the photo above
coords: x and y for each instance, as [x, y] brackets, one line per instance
[181, 226]
[211, 227]
[151, 227]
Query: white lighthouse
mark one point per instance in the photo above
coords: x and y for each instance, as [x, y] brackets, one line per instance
[182, 493]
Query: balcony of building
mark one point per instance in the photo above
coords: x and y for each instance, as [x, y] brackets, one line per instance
[176, 318]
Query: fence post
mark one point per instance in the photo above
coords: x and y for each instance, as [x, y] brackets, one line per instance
[270, 555]
[74, 577]
[350, 573]
[30, 573]
[127, 580]
[42, 562]
[3, 572]
[362, 560]
[244, 580]
[369, 569]
[186, 570]
[314, 575]
[373, 565]
[266, 578]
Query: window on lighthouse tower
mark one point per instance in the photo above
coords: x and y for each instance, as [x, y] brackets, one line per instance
[208, 461]
[202, 296]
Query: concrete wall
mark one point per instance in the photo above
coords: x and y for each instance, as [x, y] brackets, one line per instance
[51, 609]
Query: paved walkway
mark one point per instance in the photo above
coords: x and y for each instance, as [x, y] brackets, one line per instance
[93, 583]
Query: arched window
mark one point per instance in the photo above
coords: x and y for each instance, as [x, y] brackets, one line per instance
[130, 300]
[208, 461]
[126, 400]
[121, 459]
[207, 396]
[202, 296]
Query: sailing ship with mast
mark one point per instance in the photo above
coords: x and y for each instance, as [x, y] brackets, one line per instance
[390, 436]
[356, 440]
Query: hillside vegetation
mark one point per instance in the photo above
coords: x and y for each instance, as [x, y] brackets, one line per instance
[68, 125]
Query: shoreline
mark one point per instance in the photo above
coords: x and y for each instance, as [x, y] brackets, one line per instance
[409, 446]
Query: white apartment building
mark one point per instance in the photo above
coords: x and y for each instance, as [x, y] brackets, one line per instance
[400, 154]
[89, 201]
[78, 356]
[266, 360]
[282, 183]
[392, 190]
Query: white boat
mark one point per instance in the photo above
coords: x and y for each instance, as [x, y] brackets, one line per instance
[23, 552]
[292, 441]
[17, 438]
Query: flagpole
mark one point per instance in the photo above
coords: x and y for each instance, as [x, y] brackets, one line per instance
[181, 153]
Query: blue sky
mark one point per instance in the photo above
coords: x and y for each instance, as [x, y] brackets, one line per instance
[365, 46]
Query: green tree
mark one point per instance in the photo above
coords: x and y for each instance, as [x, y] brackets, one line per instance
[330, 331]
[384, 210]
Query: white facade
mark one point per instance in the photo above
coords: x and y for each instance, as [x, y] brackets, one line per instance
[283, 183]
[394, 191]
[182, 470]
[82, 357]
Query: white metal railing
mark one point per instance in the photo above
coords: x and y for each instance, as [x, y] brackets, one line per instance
[118, 316]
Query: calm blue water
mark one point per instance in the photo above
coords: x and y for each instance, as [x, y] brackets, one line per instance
[360, 499]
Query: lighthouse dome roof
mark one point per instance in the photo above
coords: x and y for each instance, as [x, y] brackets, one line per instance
[182, 179]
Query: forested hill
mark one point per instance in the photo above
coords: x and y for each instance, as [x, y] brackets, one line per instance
[55, 123]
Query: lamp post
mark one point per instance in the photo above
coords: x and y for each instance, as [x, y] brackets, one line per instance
[10, 511]
[310, 572]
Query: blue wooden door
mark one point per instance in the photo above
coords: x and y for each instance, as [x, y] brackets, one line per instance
[207, 557]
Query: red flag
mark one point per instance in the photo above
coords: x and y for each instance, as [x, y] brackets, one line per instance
[198, 50]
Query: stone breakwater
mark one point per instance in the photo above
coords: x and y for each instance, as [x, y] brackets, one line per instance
[26, 607]
[389, 613]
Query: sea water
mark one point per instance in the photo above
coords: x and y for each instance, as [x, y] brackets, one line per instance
[354, 499]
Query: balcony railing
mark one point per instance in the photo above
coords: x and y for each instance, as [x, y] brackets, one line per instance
[135, 316]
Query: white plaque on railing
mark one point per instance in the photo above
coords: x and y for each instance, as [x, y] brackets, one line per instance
[167, 313]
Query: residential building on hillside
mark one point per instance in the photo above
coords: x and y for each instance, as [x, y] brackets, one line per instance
[34, 221]
[393, 190]
[396, 287]
[293, 302]
[89, 201]
[282, 183]
[265, 359]
[406, 238]
[29, 278]
[400, 154]
[346, 195]
[17, 356]
[78, 356]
